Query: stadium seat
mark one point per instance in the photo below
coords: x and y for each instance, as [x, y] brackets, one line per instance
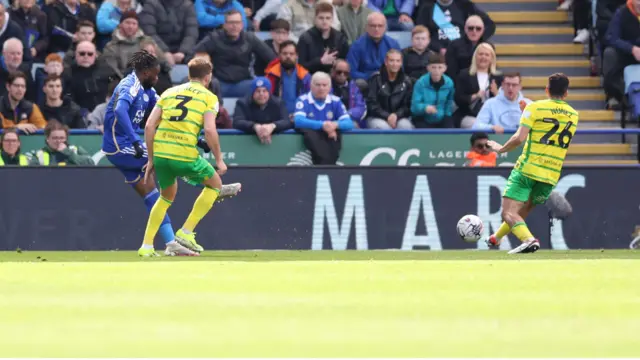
[263, 35]
[402, 37]
[631, 75]
[179, 73]
[230, 105]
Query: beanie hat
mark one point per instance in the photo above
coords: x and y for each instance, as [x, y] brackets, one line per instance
[260, 81]
[129, 14]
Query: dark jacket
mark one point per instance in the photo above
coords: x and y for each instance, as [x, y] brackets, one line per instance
[426, 93]
[25, 113]
[59, 16]
[604, 13]
[365, 56]
[353, 100]
[311, 47]
[459, 55]
[15, 31]
[171, 23]
[87, 86]
[466, 86]
[248, 114]
[414, 64]
[432, 15]
[34, 24]
[259, 66]
[232, 59]
[25, 67]
[274, 74]
[624, 30]
[384, 98]
[68, 113]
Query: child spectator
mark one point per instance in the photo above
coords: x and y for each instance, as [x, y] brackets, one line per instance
[432, 101]
[416, 56]
[52, 66]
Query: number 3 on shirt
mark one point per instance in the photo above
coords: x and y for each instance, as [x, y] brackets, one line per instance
[181, 106]
[564, 137]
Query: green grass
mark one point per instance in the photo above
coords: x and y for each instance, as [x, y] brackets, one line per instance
[320, 304]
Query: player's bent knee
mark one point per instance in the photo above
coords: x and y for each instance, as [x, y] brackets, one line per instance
[214, 182]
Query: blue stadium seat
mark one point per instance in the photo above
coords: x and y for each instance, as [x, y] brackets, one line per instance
[179, 73]
[230, 105]
[263, 35]
[402, 37]
[631, 75]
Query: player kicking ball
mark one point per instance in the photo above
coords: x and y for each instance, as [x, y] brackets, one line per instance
[547, 126]
[171, 135]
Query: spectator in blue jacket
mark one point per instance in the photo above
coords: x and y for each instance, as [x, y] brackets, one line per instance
[211, 14]
[109, 14]
[623, 38]
[261, 113]
[349, 93]
[397, 12]
[321, 117]
[503, 111]
[367, 54]
[432, 100]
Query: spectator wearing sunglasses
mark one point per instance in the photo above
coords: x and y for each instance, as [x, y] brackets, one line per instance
[460, 52]
[87, 81]
[480, 154]
[349, 92]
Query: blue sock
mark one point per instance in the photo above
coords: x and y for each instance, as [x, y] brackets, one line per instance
[166, 230]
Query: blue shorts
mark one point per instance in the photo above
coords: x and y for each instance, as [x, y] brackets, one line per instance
[130, 167]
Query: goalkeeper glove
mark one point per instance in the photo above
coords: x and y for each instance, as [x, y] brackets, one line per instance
[139, 150]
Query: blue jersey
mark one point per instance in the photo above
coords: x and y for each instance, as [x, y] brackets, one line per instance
[120, 131]
[311, 113]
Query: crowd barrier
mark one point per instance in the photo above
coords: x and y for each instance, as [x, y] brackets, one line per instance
[312, 208]
[432, 147]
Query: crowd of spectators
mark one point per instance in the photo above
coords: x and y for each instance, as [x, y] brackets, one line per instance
[447, 77]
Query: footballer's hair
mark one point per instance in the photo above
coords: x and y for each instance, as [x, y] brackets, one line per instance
[142, 60]
[199, 67]
[558, 85]
[478, 136]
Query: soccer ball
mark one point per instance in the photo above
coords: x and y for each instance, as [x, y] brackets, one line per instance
[470, 228]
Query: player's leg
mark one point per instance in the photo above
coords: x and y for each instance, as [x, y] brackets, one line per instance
[169, 189]
[505, 229]
[203, 173]
[537, 194]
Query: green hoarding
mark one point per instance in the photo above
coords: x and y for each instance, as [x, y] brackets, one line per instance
[357, 149]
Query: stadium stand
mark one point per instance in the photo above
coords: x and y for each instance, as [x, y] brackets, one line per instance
[534, 38]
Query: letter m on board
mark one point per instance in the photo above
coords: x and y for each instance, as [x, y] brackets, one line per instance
[325, 212]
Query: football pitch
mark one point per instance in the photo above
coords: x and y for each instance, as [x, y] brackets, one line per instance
[321, 304]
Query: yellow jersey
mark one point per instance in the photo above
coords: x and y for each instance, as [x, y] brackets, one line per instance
[183, 108]
[552, 124]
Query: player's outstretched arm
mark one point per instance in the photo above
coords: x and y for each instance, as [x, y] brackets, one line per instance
[516, 140]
